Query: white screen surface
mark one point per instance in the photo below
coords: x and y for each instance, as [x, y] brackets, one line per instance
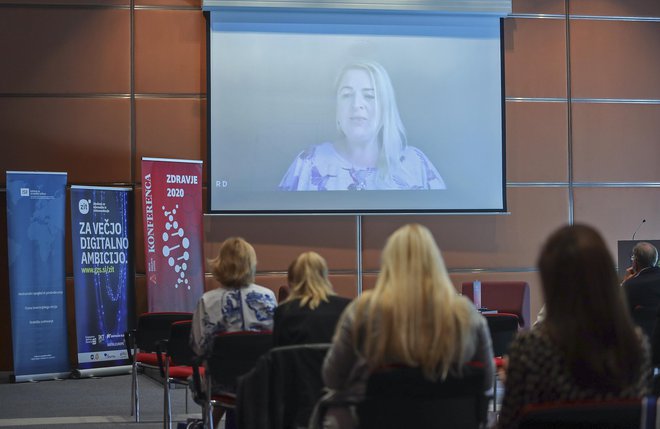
[273, 95]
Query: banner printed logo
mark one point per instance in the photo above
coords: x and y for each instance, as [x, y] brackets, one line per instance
[176, 250]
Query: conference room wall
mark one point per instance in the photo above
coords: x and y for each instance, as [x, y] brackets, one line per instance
[73, 92]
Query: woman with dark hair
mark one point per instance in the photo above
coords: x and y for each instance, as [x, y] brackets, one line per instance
[587, 346]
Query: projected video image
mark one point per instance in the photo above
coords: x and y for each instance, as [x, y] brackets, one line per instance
[354, 120]
[370, 152]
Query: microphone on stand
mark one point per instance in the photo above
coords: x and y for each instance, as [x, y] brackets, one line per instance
[638, 227]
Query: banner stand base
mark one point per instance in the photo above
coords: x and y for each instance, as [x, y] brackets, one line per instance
[101, 372]
[39, 377]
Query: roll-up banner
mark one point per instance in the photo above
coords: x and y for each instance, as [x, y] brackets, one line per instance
[172, 209]
[35, 234]
[101, 229]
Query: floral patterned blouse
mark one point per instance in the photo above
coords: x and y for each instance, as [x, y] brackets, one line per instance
[249, 308]
[322, 168]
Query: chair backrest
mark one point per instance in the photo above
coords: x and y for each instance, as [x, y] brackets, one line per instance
[283, 293]
[504, 296]
[178, 343]
[503, 328]
[604, 414]
[288, 379]
[235, 353]
[403, 398]
[154, 327]
[296, 376]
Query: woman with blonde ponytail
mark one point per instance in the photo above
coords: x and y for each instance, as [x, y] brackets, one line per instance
[412, 317]
[311, 312]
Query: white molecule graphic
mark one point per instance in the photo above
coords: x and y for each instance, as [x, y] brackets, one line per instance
[176, 251]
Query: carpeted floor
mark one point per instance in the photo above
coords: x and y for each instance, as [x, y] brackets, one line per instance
[89, 403]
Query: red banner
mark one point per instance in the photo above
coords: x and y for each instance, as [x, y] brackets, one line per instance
[172, 209]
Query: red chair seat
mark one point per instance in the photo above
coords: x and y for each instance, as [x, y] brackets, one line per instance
[147, 358]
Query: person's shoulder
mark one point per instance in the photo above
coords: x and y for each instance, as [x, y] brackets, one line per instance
[533, 341]
[339, 301]
[318, 151]
[655, 272]
[215, 294]
[261, 289]
[414, 153]
[288, 306]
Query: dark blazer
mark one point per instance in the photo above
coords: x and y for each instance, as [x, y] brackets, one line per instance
[643, 290]
[293, 324]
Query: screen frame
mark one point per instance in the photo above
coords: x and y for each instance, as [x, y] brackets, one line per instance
[344, 212]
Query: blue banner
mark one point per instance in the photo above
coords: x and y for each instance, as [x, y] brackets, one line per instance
[102, 272]
[35, 231]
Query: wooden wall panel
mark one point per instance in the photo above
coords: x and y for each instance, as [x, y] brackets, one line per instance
[482, 241]
[170, 128]
[170, 51]
[65, 50]
[627, 8]
[615, 59]
[551, 7]
[616, 142]
[536, 142]
[279, 239]
[87, 138]
[166, 3]
[105, 4]
[535, 57]
[617, 212]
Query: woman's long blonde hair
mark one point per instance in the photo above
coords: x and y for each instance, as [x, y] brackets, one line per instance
[308, 280]
[392, 133]
[414, 315]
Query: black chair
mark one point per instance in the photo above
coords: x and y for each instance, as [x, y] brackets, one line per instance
[175, 359]
[401, 397]
[605, 414]
[142, 345]
[503, 329]
[283, 293]
[282, 389]
[232, 355]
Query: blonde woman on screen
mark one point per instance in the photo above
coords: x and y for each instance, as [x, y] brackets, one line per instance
[413, 317]
[371, 151]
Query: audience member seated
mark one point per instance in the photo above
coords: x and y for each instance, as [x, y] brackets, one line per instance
[642, 280]
[413, 317]
[237, 305]
[311, 311]
[587, 347]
